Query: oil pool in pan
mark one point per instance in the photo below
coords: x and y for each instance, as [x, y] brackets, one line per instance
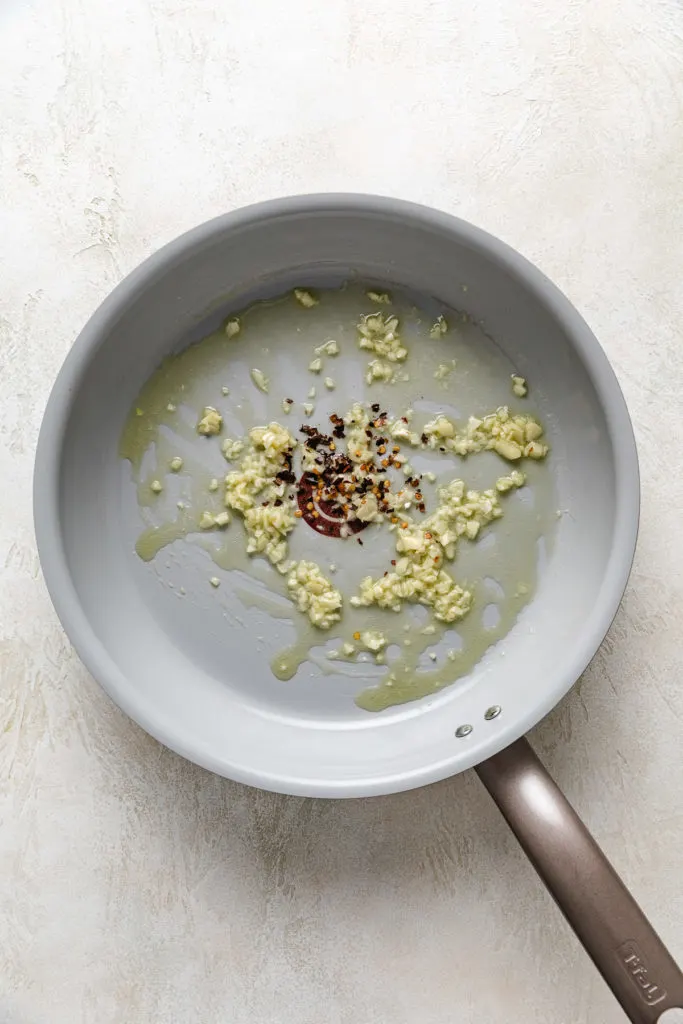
[450, 367]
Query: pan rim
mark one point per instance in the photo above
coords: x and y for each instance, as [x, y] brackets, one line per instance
[48, 462]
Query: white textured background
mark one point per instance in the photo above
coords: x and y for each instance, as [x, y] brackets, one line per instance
[137, 888]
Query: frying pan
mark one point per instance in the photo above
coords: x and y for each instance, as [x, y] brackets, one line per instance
[203, 687]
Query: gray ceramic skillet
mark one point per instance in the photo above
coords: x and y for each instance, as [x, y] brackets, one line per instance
[164, 673]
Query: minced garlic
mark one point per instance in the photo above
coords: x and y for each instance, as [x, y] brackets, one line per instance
[439, 429]
[210, 422]
[267, 527]
[381, 298]
[373, 639]
[208, 520]
[519, 386]
[367, 508]
[258, 479]
[379, 334]
[328, 348]
[400, 430]
[232, 449]
[419, 575]
[444, 370]
[358, 445]
[176, 464]
[314, 594]
[260, 380]
[512, 437]
[378, 370]
[506, 483]
[417, 582]
[305, 298]
[233, 327]
[438, 328]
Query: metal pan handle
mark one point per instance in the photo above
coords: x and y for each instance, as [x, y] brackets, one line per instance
[607, 920]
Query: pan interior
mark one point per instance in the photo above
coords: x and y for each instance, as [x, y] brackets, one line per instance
[192, 669]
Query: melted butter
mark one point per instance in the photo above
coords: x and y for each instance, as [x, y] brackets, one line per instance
[162, 424]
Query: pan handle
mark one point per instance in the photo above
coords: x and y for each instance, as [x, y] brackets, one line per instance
[607, 920]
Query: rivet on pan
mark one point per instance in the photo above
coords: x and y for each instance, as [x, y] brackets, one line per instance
[463, 730]
[492, 712]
